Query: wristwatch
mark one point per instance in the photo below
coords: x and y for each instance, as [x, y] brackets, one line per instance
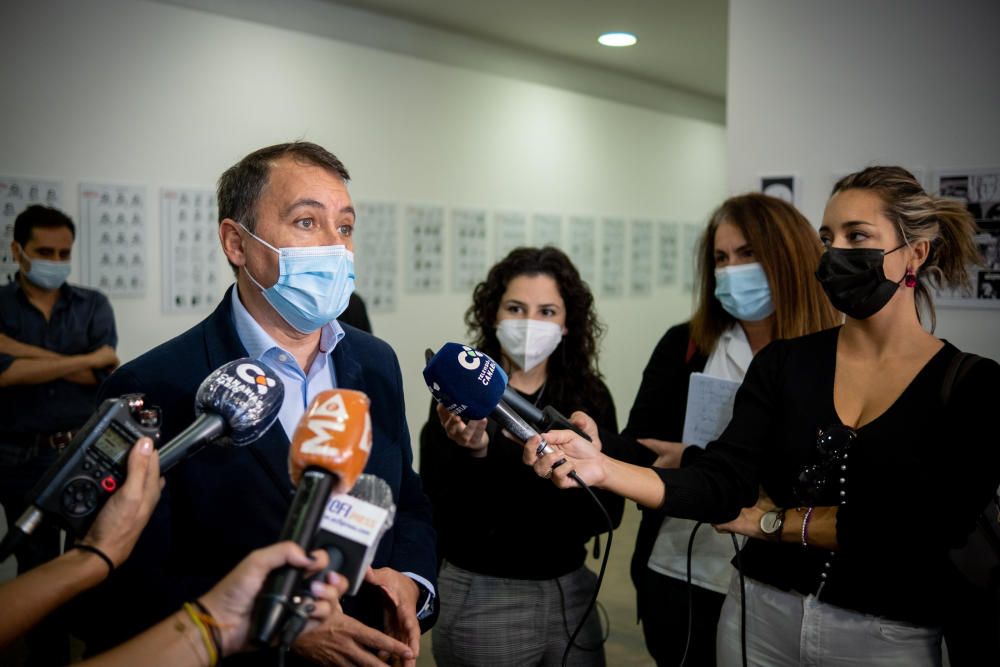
[771, 523]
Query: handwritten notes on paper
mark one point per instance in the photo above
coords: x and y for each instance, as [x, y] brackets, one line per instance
[709, 408]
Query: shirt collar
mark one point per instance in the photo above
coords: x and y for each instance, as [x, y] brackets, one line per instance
[258, 342]
[65, 290]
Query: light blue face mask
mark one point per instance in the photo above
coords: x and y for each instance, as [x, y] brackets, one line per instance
[743, 291]
[45, 273]
[314, 284]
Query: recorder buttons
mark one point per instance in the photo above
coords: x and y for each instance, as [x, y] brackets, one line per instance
[79, 497]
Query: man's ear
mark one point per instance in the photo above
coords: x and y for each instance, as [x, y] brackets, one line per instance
[232, 242]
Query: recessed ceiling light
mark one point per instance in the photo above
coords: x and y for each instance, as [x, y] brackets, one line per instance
[617, 39]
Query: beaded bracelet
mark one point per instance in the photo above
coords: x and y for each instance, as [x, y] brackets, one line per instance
[805, 526]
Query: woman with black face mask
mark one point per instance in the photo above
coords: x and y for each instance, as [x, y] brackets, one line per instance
[869, 471]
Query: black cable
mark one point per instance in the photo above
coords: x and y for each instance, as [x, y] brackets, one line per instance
[743, 601]
[602, 619]
[600, 575]
[687, 642]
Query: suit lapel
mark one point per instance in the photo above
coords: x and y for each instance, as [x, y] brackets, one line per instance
[349, 373]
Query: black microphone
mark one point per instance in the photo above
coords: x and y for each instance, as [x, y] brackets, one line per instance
[236, 404]
[544, 420]
[470, 384]
[352, 527]
[329, 449]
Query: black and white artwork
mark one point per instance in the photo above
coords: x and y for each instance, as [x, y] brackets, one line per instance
[979, 190]
[782, 187]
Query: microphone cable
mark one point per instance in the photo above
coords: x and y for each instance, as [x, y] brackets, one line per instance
[743, 600]
[600, 575]
[690, 596]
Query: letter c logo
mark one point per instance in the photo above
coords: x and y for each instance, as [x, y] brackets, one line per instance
[469, 358]
[254, 375]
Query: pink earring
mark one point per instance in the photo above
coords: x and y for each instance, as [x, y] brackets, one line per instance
[911, 278]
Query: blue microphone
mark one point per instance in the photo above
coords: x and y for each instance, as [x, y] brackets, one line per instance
[468, 383]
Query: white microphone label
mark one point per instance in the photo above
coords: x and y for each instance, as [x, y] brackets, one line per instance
[356, 519]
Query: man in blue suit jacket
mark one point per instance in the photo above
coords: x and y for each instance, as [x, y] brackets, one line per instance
[286, 221]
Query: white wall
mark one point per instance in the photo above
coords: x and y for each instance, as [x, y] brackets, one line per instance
[820, 88]
[141, 92]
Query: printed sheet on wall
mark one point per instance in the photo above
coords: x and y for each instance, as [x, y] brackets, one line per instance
[194, 270]
[113, 230]
[17, 194]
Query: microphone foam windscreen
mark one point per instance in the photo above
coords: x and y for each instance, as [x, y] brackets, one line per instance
[246, 393]
[467, 382]
[335, 434]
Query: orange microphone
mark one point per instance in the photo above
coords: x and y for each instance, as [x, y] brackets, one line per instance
[329, 451]
[334, 434]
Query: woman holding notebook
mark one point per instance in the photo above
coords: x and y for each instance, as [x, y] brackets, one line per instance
[756, 284]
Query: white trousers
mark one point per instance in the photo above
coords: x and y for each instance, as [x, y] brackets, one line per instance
[787, 628]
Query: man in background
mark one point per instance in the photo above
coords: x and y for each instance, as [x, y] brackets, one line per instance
[57, 342]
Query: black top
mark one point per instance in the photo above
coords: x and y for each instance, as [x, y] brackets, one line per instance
[658, 412]
[918, 475]
[81, 322]
[356, 314]
[495, 516]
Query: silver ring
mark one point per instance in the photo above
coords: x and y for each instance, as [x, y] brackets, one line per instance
[543, 449]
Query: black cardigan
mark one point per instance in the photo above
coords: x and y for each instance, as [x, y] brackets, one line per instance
[918, 476]
[495, 516]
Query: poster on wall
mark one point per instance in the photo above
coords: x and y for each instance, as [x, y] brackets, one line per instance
[641, 273]
[979, 190]
[581, 246]
[546, 229]
[468, 243]
[424, 248]
[511, 231]
[375, 242]
[113, 230]
[613, 257]
[194, 271]
[667, 256]
[784, 187]
[17, 194]
[689, 252]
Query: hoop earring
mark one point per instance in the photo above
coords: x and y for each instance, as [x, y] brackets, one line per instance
[910, 280]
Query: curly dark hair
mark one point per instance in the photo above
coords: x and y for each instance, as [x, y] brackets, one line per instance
[574, 381]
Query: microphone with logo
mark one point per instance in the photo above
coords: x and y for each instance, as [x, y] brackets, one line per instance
[468, 383]
[329, 450]
[236, 404]
[350, 531]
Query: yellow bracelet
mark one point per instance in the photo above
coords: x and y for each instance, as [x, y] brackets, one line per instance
[213, 656]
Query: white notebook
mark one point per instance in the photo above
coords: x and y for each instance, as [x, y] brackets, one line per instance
[709, 408]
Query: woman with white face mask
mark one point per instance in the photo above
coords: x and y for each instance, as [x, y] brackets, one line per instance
[756, 262]
[512, 582]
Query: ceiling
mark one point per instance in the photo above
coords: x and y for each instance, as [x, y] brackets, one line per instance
[682, 43]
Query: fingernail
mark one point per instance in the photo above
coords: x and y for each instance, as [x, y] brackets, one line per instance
[318, 588]
[145, 446]
[332, 578]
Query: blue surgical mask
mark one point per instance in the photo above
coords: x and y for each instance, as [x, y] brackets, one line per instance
[743, 291]
[314, 284]
[45, 273]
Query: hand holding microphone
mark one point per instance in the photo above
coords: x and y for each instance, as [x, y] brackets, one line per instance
[471, 385]
[329, 450]
[236, 404]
